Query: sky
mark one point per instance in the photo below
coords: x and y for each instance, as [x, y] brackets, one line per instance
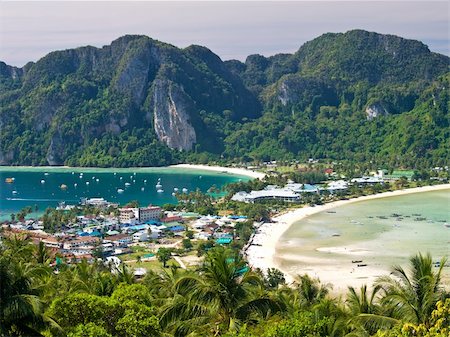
[232, 29]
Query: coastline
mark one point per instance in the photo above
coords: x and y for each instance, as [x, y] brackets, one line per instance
[213, 169]
[263, 255]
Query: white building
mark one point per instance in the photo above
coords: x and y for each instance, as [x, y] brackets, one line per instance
[142, 214]
[280, 194]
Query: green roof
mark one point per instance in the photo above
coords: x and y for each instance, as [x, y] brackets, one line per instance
[224, 241]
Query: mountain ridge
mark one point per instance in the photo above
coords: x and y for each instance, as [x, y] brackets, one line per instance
[139, 101]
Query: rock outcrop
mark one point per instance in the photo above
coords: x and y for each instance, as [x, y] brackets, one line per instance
[375, 110]
[171, 108]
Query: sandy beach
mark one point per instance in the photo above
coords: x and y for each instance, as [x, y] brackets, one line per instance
[230, 170]
[263, 255]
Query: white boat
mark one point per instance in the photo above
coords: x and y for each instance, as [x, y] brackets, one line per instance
[158, 185]
[121, 178]
[14, 192]
[42, 181]
[173, 194]
[145, 181]
[175, 189]
[127, 184]
[142, 189]
[185, 190]
[46, 174]
[119, 190]
[97, 180]
[75, 185]
[115, 173]
[87, 182]
[73, 172]
[160, 191]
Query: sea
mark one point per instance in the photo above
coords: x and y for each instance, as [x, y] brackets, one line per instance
[380, 233]
[47, 187]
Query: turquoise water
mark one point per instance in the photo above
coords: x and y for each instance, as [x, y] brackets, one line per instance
[137, 184]
[382, 232]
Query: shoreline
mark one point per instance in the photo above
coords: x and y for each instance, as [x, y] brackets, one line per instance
[263, 255]
[216, 169]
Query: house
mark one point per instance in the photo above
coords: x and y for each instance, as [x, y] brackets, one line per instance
[51, 242]
[85, 242]
[119, 240]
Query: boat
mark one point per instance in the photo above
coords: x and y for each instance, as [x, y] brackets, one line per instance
[357, 261]
[142, 189]
[362, 265]
[331, 211]
[145, 181]
[97, 180]
[46, 174]
[63, 186]
[73, 172]
[9, 180]
[173, 194]
[160, 191]
[42, 181]
[75, 185]
[119, 190]
[184, 190]
[14, 192]
[87, 182]
[336, 234]
[158, 185]
[127, 184]
[175, 189]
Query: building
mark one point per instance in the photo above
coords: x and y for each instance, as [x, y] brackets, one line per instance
[84, 242]
[128, 215]
[149, 213]
[280, 194]
[51, 242]
[118, 239]
[142, 214]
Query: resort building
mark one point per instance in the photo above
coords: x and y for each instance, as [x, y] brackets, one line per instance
[280, 194]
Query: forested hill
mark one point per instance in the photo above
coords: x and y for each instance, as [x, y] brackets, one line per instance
[358, 96]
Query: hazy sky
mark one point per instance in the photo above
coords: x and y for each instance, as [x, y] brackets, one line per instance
[232, 29]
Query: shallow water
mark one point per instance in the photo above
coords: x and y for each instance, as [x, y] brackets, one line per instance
[27, 189]
[371, 232]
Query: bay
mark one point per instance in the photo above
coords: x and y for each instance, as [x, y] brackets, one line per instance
[42, 186]
[380, 233]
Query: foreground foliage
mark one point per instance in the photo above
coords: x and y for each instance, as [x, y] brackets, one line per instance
[222, 298]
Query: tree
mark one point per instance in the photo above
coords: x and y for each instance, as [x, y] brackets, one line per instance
[187, 244]
[311, 291]
[225, 290]
[413, 297]
[21, 309]
[164, 255]
[274, 278]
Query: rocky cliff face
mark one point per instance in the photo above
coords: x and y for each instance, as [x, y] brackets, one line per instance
[171, 108]
[375, 110]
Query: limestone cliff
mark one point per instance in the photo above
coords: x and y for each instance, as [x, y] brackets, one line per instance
[171, 117]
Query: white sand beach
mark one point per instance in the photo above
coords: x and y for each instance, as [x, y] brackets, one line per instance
[230, 170]
[263, 255]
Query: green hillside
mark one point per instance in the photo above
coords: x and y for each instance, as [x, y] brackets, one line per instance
[357, 96]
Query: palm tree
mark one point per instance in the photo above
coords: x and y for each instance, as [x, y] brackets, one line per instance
[310, 290]
[362, 302]
[407, 298]
[21, 310]
[225, 293]
[42, 254]
[413, 297]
